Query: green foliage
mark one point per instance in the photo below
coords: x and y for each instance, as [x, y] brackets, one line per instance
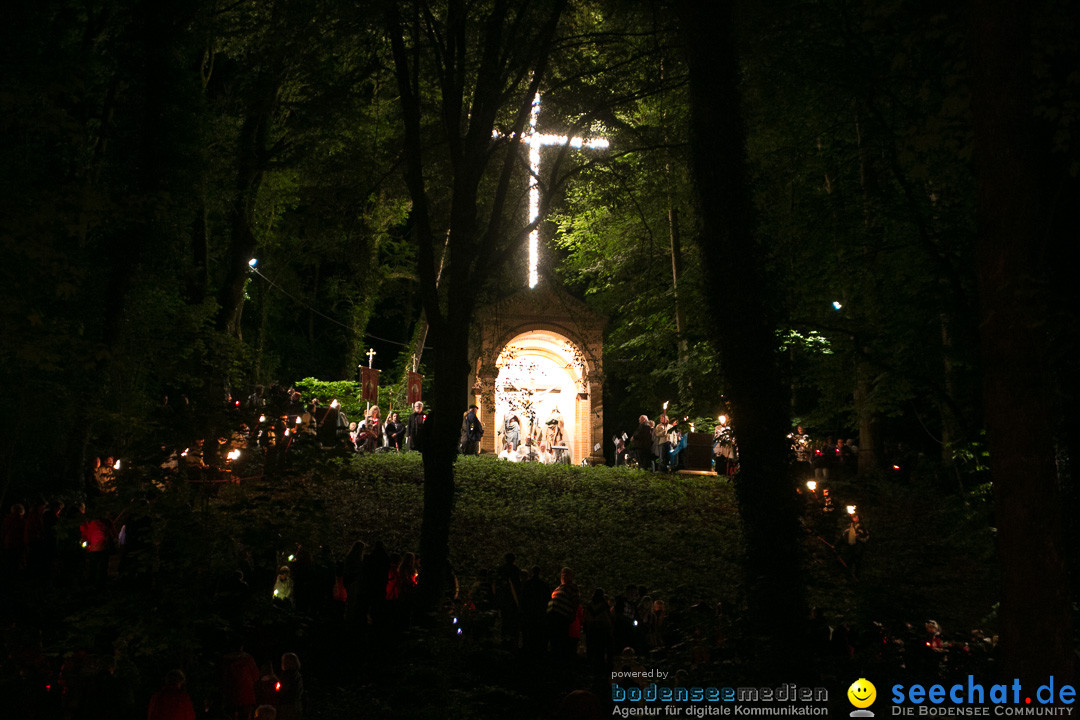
[929, 556]
[610, 524]
[346, 392]
[973, 457]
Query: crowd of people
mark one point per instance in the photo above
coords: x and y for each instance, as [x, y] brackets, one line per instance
[546, 619]
[537, 616]
[660, 445]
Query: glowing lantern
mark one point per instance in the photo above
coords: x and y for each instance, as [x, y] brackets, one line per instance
[811, 485]
[262, 418]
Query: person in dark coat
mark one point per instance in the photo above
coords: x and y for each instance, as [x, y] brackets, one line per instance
[473, 430]
[535, 593]
[414, 429]
[643, 440]
[395, 432]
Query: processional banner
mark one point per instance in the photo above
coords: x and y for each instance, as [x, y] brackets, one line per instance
[369, 385]
[416, 384]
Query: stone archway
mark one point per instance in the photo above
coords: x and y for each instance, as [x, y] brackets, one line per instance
[538, 354]
[541, 380]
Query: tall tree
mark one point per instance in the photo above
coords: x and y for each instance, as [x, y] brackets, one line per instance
[477, 67]
[1036, 624]
[745, 334]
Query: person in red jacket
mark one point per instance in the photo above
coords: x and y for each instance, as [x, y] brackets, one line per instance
[239, 675]
[171, 702]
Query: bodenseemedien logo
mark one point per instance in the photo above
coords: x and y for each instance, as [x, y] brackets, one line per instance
[862, 694]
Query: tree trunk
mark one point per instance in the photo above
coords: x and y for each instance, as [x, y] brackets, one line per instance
[441, 441]
[745, 335]
[1035, 621]
[870, 441]
[251, 155]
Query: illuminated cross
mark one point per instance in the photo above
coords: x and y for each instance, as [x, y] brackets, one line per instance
[535, 141]
[370, 356]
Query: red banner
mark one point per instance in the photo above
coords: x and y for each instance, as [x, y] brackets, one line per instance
[416, 384]
[369, 385]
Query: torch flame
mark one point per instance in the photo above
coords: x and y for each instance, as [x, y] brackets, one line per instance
[262, 418]
[334, 403]
[116, 465]
[234, 455]
[811, 485]
[850, 509]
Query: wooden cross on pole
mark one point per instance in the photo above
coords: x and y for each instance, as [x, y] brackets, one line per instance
[536, 140]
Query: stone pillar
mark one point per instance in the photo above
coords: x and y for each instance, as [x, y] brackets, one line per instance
[486, 403]
[595, 421]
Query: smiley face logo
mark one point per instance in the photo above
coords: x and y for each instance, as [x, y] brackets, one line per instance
[862, 693]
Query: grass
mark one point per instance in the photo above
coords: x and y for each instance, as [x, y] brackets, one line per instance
[930, 555]
[677, 534]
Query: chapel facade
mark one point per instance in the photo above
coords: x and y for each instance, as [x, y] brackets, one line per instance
[537, 360]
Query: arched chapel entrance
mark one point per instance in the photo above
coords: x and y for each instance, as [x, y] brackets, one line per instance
[537, 358]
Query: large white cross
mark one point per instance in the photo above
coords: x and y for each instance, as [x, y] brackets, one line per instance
[535, 141]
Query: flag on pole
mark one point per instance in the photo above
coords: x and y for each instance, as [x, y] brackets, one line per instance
[416, 384]
[369, 385]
